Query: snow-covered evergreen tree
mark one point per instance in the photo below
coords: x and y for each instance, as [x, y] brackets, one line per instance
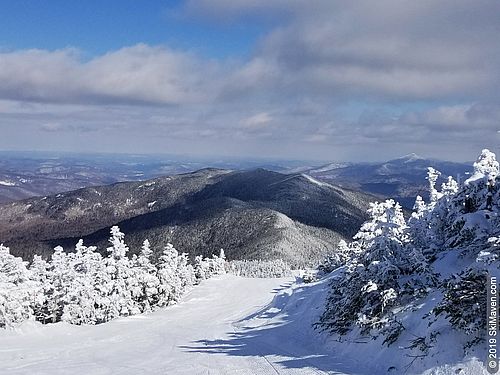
[58, 283]
[82, 299]
[201, 268]
[432, 177]
[217, 264]
[148, 282]
[123, 281]
[15, 296]
[372, 283]
[39, 278]
[185, 273]
[170, 284]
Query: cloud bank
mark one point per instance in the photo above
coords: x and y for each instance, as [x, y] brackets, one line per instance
[330, 80]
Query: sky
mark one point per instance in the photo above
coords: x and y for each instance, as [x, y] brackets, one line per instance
[335, 80]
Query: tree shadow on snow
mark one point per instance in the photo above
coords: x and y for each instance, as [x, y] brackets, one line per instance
[280, 334]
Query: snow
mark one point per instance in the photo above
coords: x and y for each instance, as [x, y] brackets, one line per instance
[227, 325]
[314, 181]
[330, 167]
[151, 204]
[7, 183]
[167, 341]
[410, 158]
[150, 183]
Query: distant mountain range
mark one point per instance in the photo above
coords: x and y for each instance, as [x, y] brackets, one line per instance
[256, 214]
[28, 174]
[24, 175]
[402, 179]
[299, 214]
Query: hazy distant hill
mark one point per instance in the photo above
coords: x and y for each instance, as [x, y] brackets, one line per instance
[402, 179]
[28, 174]
[251, 214]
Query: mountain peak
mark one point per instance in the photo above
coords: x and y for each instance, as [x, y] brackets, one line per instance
[410, 157]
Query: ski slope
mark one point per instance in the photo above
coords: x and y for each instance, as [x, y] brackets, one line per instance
[227, 325]
[217, 329]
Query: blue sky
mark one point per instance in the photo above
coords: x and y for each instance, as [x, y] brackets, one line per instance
[298, 79]
[96, 27]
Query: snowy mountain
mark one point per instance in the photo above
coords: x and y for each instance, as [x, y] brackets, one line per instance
[255, 214]
[27, 174]
[401, 179]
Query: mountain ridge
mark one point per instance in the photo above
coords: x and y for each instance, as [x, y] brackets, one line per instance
[251, 214]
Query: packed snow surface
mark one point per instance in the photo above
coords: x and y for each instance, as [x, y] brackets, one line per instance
[227, 325]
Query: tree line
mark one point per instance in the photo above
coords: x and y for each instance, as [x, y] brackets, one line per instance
[83, 287]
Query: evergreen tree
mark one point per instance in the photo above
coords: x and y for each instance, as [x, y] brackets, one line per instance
[15, 296]
[123, 281]
[372, 282]
[82, 299]
[185, 272]
[39, 276]
[146, 273]
[170, 284]
[58, 283]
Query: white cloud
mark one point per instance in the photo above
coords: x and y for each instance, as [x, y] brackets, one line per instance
[139, 74]
[330, 77]
[257, 121]
[384, 50]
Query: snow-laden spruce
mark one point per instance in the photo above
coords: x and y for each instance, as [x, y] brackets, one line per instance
[259, 268]
[83, 287]
[432, 266]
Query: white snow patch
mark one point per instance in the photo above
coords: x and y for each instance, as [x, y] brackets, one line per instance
[7, 183]
[330, 167]
[314, 181]
[410, 158]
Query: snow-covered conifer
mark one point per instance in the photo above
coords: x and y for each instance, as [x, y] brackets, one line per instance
[185, 272]
[83, 300]
[371, 285]
[432, 177]
[15, 296]
[58, 283]
[39, 278]
[201, 268]
[123, 281]
[148, 282]
[170, 283]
